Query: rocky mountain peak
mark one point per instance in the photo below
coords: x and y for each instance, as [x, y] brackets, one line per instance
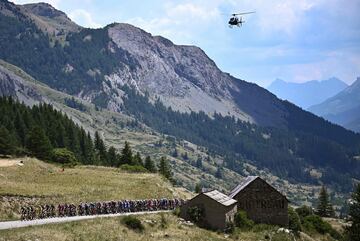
[161, 58]
[184, 77]
[49, 19]
[44, 10]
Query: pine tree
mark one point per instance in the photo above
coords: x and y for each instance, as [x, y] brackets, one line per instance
[111, 157]
[137, 160]
[6, 145]
[100, 147]
[164, 168]
[324, 208]
[88, 150]
[149, 164]
[74, 144]
[38, 143]
[61, 137]
[20, 128]
[353, 232]
[198, 188]
[126, 154]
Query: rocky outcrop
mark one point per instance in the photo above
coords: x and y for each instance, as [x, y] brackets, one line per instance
[49, 19]
[18, 88]
[186, 79]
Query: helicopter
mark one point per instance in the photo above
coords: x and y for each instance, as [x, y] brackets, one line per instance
[235, 21]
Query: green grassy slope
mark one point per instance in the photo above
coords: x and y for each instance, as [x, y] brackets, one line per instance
[37, 182]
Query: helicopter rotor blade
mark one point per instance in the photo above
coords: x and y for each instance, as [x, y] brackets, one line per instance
[242, 13]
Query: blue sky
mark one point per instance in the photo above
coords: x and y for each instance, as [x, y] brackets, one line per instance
[295, 40]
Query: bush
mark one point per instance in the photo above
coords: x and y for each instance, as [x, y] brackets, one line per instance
[196, 214]
[133, 223]
[177, 211]
[304, 211]
[63, 156]
[316, 223]
[261, 227]
[230, 228]
[242, 221]
[294, 221]
[163, 222]
[282, 237]
[135, 169]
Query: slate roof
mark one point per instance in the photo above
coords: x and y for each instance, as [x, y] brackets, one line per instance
[246, 182]
[220, 198]
[242, 185]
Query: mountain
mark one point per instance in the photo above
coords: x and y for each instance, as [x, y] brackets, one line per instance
[115, 128]
[308, 93]
[343, 108]
[179, 91]
[50, 20]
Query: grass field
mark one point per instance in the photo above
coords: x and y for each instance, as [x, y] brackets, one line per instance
[171, 228]
[37, 182]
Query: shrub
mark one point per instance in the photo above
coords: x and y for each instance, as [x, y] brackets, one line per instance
[63, 156]
[294, 221]
[304, 211]
[133, 223]
[316, 223]
[262, 227]
[135, 169]
[230, 227]
[242, 221]
[163, 221]
[196, 214]
[281, 237]
[177, 211]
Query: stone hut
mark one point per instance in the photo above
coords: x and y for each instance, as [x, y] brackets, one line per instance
[262, 202]
[217, 208]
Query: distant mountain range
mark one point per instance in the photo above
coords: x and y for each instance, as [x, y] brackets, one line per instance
[307, 94]
[343, 108]
[173, 89]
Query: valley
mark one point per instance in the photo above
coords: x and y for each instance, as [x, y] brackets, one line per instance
[115, 112]
[115, 128]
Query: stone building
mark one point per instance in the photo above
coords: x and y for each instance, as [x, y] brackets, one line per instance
[262, 202]
[217, 208]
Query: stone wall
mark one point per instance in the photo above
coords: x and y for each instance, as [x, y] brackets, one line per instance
[263, 204]
[216, 215]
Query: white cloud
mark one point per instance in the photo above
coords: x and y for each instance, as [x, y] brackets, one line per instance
[341, 64]
[83, 18]
[181, 22]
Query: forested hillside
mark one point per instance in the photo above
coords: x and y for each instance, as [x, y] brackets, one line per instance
[48, 134]
[40, 130]
[64, 67]
[287, 153]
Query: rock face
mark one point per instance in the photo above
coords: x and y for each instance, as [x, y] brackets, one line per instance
[186, 79]
[182, 76]
[50, 20]
[15, 86]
